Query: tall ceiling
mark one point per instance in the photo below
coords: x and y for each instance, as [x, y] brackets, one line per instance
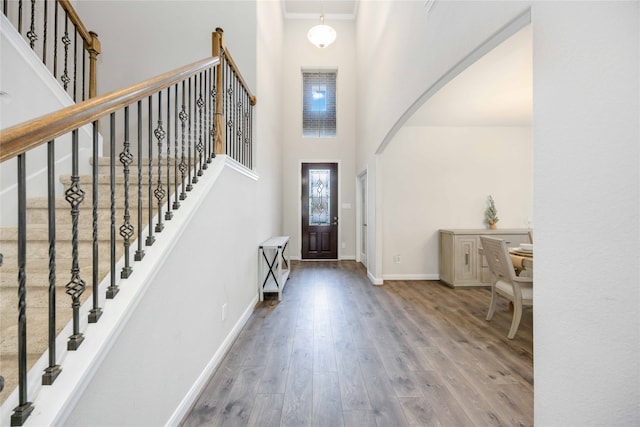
[311, 9]
[494, 91]
[497, 90]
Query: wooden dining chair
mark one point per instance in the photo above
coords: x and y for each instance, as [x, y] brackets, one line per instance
[518, 290]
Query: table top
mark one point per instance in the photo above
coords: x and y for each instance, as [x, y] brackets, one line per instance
[521, 260]
[275, 242]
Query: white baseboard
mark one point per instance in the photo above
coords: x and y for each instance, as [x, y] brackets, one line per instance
[342, 258]
[199, 385]
[411, 277]
[374, 280]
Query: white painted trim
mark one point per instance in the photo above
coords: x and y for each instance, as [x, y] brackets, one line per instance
[238, 167]
[411, 277]
[347, 258]
[494, 40]
[203, 379]
[373, 279]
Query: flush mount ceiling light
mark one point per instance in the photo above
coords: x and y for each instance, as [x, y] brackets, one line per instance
[321, 35]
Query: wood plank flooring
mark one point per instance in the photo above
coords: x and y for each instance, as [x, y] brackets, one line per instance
[338, 351]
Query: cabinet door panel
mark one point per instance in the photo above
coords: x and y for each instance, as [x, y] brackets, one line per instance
[466, 259]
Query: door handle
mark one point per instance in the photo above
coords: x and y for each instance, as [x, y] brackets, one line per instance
[335, 220]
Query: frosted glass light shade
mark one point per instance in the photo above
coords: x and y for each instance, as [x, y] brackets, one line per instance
[321, 35]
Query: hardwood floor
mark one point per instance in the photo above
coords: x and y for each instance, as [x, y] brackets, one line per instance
[339, 351]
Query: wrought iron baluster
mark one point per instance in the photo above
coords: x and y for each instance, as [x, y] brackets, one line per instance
[113, 289]
[159, 192]
[56, 6]
[139, 252]
[214, 111]
[84, 74]
[199, 145]
[76, 286]
[176, 203]
[44, 34]
[236, 122]
[247, 138]
[239, 122]
[24, 409]
[150, 237]
[53, 370]
[229, 111]
[20, 16]
[96, 312]
[243, 128]
[184, 116]
[189, 115]
[31, 34]
[205, 163]
[66, 41]
[250, 138]
[126, 229]
[168, 214]
[75, 64]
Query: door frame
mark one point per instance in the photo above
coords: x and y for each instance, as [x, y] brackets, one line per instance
[299, 221]
[359, 209]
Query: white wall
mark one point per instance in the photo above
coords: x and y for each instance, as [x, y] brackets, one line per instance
[269, 125]
[299, 54]
[586, 208]
[586, 182]
[142, 39]
[177, 328]
[440, 177]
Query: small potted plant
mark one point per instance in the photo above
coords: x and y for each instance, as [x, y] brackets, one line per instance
[491, 214]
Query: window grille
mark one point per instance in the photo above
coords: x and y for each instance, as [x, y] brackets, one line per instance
[319, 104]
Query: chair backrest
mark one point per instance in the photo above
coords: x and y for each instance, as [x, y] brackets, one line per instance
[495, 250]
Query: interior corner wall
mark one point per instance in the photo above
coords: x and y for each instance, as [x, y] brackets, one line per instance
[440, 177]
[586, 176]
[586, 80]
[268, 133]
[300, 54]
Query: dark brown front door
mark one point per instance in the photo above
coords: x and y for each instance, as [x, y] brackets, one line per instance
[319, 211]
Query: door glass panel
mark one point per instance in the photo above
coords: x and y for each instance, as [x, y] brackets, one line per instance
[319, 197]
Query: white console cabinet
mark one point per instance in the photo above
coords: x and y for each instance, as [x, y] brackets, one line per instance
[274, 266]
[461, 264]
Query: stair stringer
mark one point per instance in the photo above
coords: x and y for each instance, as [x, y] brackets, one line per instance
[56, 404]
[29, 90]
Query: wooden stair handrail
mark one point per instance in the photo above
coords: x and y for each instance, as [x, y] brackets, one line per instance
[91, 43]
[75, 20]
[218, 46]
[26, 136]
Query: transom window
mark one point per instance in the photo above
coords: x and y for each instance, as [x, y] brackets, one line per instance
[319, 104]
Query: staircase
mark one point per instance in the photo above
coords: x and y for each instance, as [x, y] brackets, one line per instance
[38, 260]
[180, 118]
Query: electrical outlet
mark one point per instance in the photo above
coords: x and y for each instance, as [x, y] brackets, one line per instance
[396, 259]
[344, 245]
[224, 311]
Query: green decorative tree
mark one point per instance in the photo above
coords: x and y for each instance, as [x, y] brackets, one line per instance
[491, 214]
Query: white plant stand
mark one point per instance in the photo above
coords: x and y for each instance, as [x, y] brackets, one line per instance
[274, 265]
